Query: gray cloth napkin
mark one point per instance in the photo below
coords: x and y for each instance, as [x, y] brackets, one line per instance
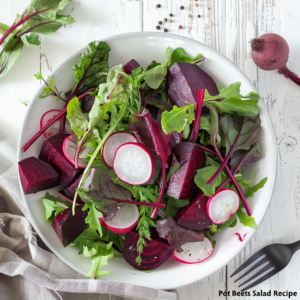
[28, 271]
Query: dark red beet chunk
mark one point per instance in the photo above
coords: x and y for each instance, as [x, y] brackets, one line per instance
[191, 158]
[36, 175]
[69, 227]
[154, 254]
[52, 153]
[194, 215]
[71, 190]
[183, 82]
[87, 103]
[131, 65]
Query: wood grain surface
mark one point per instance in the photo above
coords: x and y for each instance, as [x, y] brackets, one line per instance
[226, 26]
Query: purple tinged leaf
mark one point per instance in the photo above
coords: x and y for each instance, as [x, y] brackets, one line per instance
[245, 158]
[149, 132]
[175, 234]
[100, 189]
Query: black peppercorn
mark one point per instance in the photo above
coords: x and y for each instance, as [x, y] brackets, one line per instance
[181, 7]
[157, 27]
[158, 6]
[199, 16]
[165, 30]
[171, 15]
[160, 22]
[165, 19]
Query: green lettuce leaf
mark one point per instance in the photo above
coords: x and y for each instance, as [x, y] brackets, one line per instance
[156, 75]
[31, 41]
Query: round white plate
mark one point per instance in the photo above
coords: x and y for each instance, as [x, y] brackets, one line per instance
[144, 48]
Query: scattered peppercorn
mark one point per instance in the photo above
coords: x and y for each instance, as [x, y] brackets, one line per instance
[208, 8]
[160, 22]
[199, 16]
[181, 7]
[165, 19]
[157, 27]
[180, 27]
[189, 15]
[165, 30]
[158, 6]
[196, 4]
[171, 15]
[170, 20]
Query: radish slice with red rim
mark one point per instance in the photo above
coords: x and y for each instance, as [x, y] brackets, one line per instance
[124, 221]
[133, 163]
[54, 128]
[70, 147]
[195, 252]
[222, 205]
[113, 143]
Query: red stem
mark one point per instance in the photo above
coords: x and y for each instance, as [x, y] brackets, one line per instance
[225, 161]
[196, 125]
[162, 189]
[42, 130]
[199, 60]
[289, 74]
[12, 28]
[208, 150]
[231, 177]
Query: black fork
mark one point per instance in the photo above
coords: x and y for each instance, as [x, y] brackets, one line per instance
[277, 257]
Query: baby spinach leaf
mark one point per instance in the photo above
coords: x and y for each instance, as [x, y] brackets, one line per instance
[178, 118]
[179, 55]
[155, 76]
[173, 205]
[118, 85]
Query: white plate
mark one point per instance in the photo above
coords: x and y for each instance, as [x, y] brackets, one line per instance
[146, 47]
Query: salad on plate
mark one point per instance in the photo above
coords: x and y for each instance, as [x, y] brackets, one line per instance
[151, 160]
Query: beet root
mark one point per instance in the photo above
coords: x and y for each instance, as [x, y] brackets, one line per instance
[71, 190]
[194, 215]
[36, 175]
[191, 158]
[154, 254]
[183, 82]
[69, 227]
[52, 153]
[131, 65]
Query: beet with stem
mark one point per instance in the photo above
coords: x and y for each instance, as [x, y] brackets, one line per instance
[191, 158]
[183, 82]
[270, 52]
[194, 215]
[52, 153]
[154, 254]
[36, 175]
[69, 227]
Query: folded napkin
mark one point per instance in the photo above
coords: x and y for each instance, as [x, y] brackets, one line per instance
[28, 270]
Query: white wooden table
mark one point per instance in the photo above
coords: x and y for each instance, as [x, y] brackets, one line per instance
[226, 26]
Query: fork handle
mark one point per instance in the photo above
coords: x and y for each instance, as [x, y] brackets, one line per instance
[295, 246]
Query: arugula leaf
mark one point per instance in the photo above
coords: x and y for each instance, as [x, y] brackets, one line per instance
[229, 222]
[204, 174]
[53, 206]
[86, 238]
[206, 234]
[249, 192]
[50, 89]
[92, 67]
[178, 118]
[93, 217]
[118, 85]
[233, 101]
[156, 75]
[179, 55]
[31, 41]
[173, 205]
[245, 219]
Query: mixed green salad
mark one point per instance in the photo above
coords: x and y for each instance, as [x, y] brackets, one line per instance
[151, 160]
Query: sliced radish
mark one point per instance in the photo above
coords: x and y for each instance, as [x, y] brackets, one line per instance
[222, 205]
[133, 163]
[54, 128]
[124, 220]
[195, 252]
[70, 147]
[113, 143]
